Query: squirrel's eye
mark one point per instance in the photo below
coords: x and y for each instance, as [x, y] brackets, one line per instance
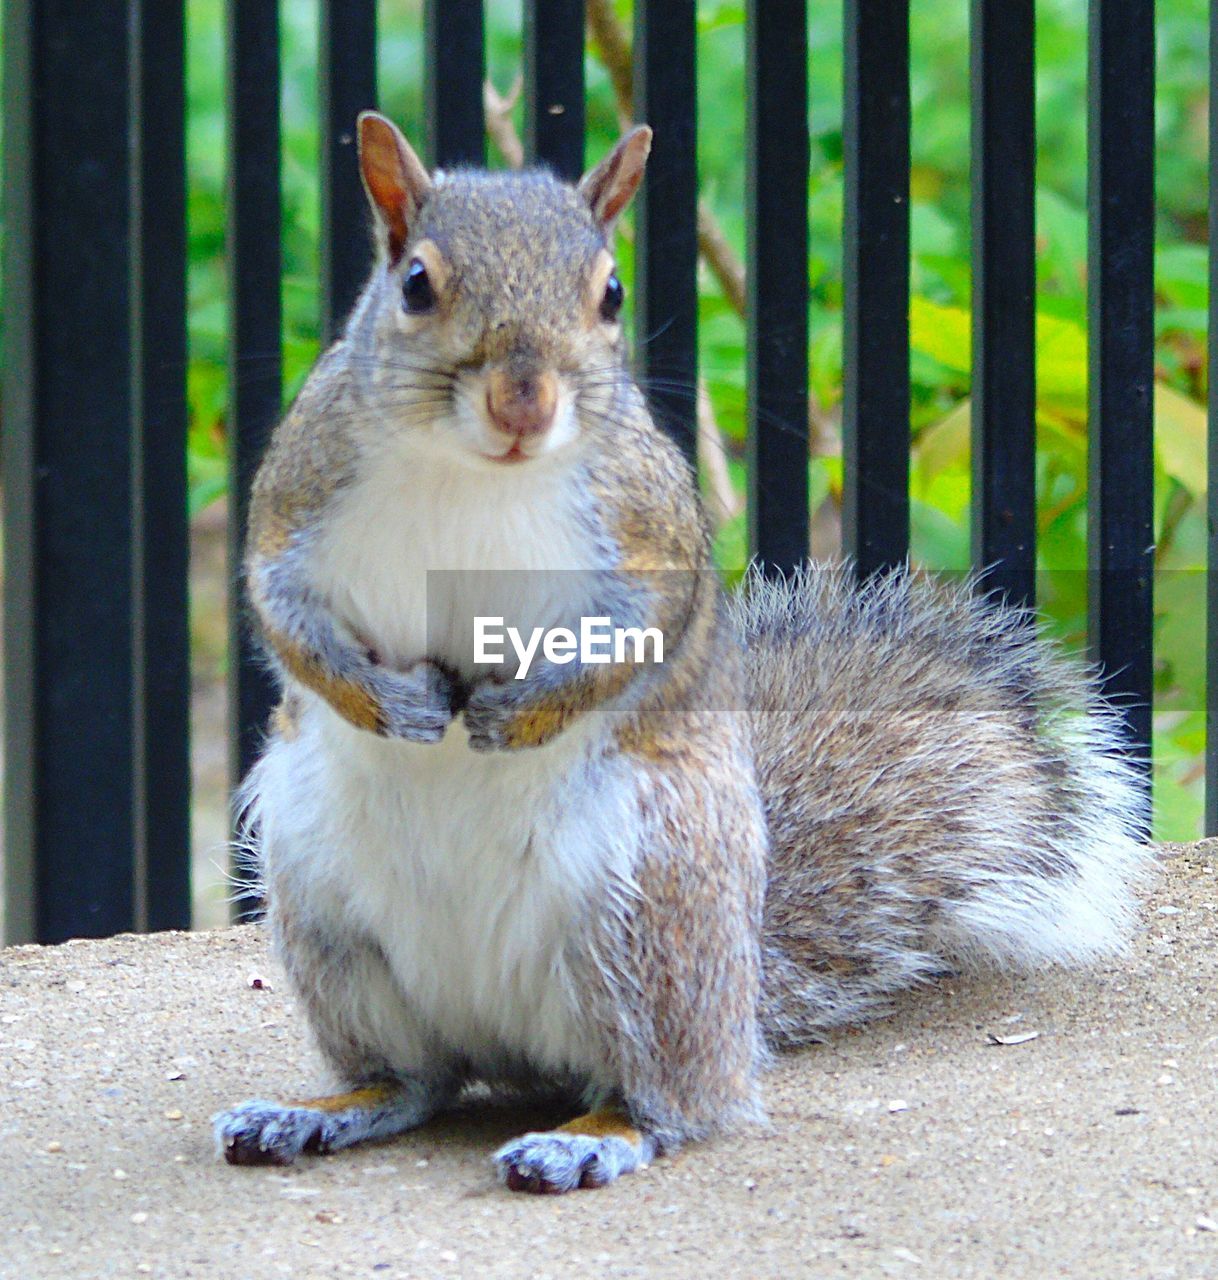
[417, 295]
[615, 295]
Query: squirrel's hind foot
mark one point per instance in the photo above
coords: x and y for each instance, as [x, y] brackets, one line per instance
[591, 1151]
[258, 1132]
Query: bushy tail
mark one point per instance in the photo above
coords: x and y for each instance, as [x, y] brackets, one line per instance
[944, 790]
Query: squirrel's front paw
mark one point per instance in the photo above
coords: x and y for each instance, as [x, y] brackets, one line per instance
[492, 715]
[417, 704]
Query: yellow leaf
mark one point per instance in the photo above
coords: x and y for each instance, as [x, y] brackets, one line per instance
[945, 334]
[1180, 437]
[1061, 361]
[941, 332]
[1068, 429]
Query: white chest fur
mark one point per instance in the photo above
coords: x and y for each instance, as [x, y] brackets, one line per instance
[420, 545]
[475, 873]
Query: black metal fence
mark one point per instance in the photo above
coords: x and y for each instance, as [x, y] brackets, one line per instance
[95, 536]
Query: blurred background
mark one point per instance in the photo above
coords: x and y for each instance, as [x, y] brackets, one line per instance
[940, 322]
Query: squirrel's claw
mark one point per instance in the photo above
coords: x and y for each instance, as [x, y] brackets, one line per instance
[551, 1163]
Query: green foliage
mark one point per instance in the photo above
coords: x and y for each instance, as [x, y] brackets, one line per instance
[940, 278]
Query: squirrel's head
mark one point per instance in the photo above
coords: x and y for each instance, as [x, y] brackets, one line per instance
[495, 298]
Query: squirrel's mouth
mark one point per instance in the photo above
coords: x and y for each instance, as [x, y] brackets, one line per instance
[489, 442]
[514, 455]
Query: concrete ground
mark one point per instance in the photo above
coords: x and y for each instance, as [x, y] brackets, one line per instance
[914, 1147]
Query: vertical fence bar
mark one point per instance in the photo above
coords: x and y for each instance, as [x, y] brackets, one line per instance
[875, 408]
[453, 73]
[1002, 37]
[554, 85]
[22, 507]
[666, 216]
[255, 342]
[1211, 493]
[1120, 303]
[70, 795]
[162, 640]
[776, 63]
[347, 52]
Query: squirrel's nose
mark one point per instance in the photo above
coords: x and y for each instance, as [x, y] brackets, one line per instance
[521, 406]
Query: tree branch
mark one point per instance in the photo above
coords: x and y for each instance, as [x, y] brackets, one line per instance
[499, 126]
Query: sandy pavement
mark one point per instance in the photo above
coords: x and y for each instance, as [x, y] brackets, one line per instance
[915, 1147]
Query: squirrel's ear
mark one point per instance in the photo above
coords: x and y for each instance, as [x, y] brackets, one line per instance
[610, 186]
[394, 178]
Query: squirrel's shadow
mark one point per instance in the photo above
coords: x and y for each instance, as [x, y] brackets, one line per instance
[483, 1119]
[480, 1122]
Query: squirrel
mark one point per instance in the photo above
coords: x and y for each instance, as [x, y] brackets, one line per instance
[626, 884]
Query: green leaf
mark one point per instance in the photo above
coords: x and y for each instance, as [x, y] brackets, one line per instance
[936, 541]
[731, 551]
[1187, 320]
[1182, 272]
[944, 444]
[1061, 232]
